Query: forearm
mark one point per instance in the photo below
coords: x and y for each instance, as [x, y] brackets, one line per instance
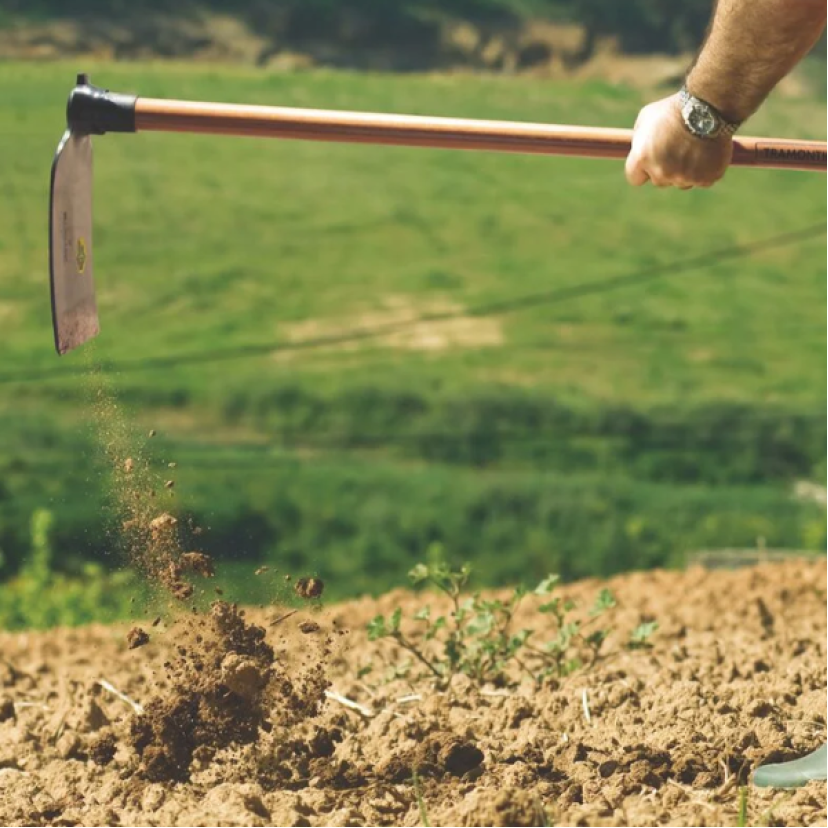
[750, 47]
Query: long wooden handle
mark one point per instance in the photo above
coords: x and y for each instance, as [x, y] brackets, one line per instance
[441, 133]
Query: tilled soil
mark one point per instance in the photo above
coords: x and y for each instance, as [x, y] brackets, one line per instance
[270, 718]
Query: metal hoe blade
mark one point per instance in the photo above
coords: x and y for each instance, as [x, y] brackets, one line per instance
[74, 309]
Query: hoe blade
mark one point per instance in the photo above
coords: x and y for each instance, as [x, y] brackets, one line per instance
[74, 310]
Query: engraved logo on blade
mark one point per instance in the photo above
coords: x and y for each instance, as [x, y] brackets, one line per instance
[80, 256]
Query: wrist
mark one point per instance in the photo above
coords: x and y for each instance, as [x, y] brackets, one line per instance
[728, 105]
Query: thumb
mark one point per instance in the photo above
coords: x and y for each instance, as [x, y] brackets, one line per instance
[634, 170]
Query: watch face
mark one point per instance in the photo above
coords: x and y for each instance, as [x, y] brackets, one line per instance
[700, 119]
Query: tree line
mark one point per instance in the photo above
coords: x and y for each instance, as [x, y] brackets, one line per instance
[639, 25]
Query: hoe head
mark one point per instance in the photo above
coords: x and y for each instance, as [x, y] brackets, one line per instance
[74, 309]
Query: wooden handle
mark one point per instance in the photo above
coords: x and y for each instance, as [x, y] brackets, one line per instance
[441, 133]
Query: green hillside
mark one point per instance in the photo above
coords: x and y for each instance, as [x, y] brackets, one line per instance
[237, 280]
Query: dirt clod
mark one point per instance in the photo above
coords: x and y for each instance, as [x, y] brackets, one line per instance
[308, 627]
[199, 563]
[162, 525]
[102, 750]
[6, 709]
[309, 587]
[137, 637]
[242, 676]
[436, 756]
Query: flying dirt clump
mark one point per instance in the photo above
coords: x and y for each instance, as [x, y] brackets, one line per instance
[162, 526]
[156, 549]
[199, 563]
[172, 576]
[309, 587]
[222, 687]
[216, 694]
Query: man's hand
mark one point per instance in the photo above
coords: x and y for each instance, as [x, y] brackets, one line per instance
[664, 152]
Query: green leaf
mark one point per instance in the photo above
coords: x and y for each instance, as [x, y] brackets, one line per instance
[547, 585]
[438, 625]
[517, 641]
[418, 574]
[639, 637]
[495, 607]
[423, 614]
[550, 606]
[396, 618]
[605, 601]
[564, 638]
[597, 638]
[453, 653]
[570, 629]
[572, 666]
[481, 624]
[376, 628]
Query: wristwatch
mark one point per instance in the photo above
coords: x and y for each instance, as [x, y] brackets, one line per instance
[703, 119]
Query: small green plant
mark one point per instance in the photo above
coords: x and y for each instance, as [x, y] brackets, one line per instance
[476, 637]
[41, 597]
[418, 794]
[743, 807]
[640, 636]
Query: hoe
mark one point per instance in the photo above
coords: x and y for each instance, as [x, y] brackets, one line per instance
[94, 111]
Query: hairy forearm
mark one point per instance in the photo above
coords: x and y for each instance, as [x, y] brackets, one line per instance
[750, 47]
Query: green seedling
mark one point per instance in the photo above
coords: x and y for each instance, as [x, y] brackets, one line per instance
[418, 795]
[640, 636]
[477, 636]
[743, 807]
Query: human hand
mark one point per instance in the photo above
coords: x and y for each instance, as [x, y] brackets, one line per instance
[664, 152]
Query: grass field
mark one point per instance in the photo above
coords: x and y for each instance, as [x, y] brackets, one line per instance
[220, 262]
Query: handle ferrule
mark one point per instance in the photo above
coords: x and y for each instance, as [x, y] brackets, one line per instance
[95, 111]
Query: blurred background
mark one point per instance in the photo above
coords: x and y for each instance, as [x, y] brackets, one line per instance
[360, 357]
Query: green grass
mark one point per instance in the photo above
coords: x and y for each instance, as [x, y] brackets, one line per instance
[208, 251]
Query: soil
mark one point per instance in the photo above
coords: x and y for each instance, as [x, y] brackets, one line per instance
[229, 717]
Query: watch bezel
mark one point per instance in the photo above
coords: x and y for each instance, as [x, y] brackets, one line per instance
[696, 105]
